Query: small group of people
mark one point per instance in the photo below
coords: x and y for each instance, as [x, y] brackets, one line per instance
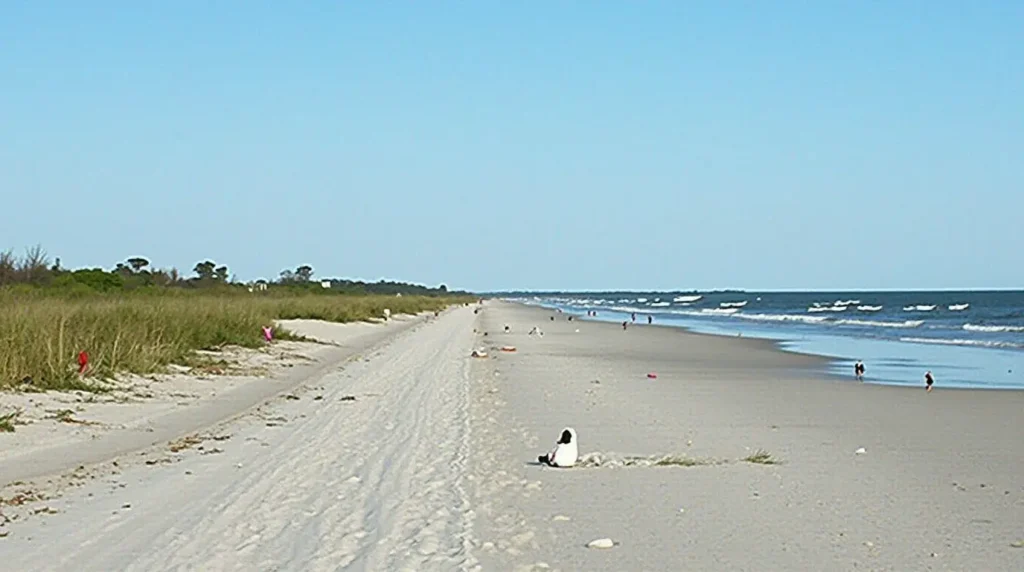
[650, 318]
[858, 373]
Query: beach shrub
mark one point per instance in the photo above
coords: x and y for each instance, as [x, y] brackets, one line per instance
[43, 330]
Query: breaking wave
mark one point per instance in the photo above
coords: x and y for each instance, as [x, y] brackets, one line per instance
[992, 329]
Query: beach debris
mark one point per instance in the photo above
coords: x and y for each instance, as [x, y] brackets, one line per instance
[348, 398]
[83, 362]
[860, 451]
[536, 330]
[577, 330]
[508, 349]
[601, 543]
[291, 397]
[478, 354]
[1018, 544]
[560, 518]
[652, 375]
[268, 333]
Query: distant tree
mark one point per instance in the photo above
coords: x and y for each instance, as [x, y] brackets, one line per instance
[205, 270]
[220, 274]
[8, 268]
[137, 263]
[304, 273]
[35, 266]
[443, 289]
[287, 276]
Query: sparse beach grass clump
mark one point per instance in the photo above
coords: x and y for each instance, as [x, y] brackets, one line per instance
[42, 332]
[761, 457]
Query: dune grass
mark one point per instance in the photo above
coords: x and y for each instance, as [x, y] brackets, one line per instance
[41, 335]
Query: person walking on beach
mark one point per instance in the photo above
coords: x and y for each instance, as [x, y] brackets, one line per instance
[634, 316]
[650, 320]
[858, 370]
[624, 325]
[928, 380]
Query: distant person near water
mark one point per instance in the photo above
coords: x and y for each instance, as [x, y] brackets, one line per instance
[928, 380]
[858, 370]
[625, 324]
[650, 319]
[634, 316]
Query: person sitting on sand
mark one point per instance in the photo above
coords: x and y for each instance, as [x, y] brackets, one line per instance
[565, 453]
[928, 380]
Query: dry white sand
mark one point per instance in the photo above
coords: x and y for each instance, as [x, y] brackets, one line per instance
[418, 457]
[939, 487]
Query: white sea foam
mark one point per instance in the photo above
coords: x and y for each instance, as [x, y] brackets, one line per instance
[641, 300]
[881, 324]
[660, 304]
[993, 328]
[846, 302]
[783, 318]
[868, 308]
[919, 308]
[958, 307]
[827, 308]
[958, 342]
[687, 299]
[733, 304]
[719, 311]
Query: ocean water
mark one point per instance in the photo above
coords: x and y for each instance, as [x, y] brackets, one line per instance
[967, 339]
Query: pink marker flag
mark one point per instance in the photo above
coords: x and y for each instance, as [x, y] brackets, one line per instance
[268, 333]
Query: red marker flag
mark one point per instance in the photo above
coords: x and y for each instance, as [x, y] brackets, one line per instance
[83, 362]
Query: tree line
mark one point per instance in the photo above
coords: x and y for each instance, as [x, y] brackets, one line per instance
[35, 269]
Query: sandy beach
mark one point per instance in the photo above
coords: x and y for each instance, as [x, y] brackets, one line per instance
[938, 486]
[416, 456]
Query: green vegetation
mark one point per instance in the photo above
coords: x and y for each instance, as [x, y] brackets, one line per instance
[131, 319]
[760, 457]
[7, 422]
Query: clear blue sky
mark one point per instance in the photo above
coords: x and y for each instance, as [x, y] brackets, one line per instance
[554, 145]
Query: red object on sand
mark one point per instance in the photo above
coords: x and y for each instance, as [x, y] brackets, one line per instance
[652, 376]
[83, 361]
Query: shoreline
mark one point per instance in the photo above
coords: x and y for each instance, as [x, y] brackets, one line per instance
[797, 346]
